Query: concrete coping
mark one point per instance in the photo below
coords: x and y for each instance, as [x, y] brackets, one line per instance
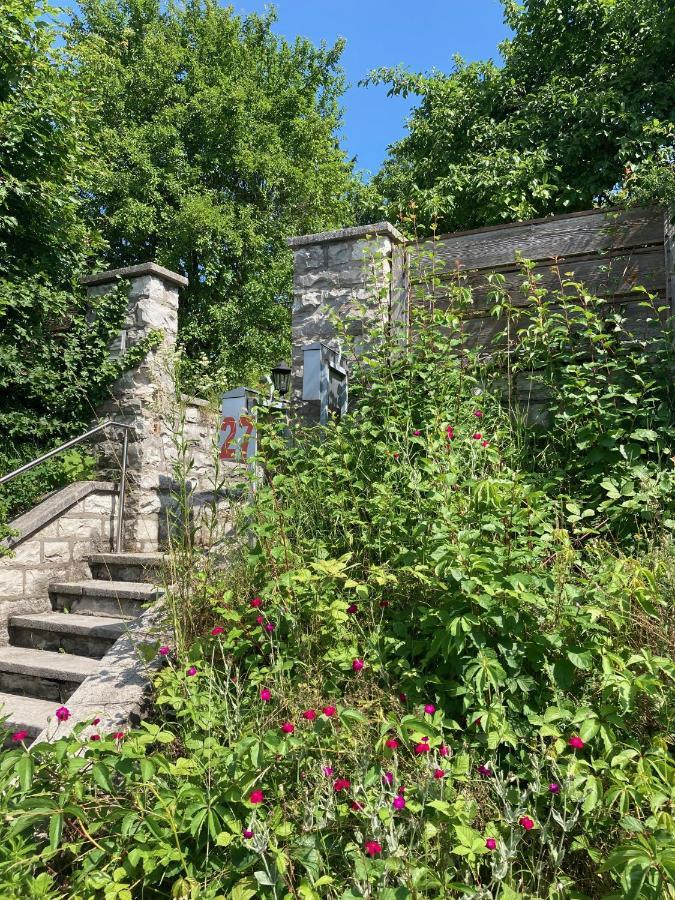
[52, 506]
[139, 271]
[194, 401]
[357, 232]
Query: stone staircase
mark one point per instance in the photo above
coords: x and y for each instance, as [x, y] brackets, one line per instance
[51, 653]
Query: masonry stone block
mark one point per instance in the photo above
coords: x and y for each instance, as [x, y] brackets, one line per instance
[56, 551]
[27, 553]
[11, 581]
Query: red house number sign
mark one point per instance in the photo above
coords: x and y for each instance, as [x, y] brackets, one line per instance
[231, 429]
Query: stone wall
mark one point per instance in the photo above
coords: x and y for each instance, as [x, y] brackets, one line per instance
[52, 543]
[351, 275]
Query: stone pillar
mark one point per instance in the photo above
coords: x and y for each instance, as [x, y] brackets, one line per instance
[353, 274]
[143, 397]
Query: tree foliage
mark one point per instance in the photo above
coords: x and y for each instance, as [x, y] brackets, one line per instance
[582, 112]
[219, 141]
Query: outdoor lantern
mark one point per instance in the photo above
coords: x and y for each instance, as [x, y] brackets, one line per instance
[281, 378]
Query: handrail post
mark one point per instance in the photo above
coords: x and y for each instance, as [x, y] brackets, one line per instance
[119, 537]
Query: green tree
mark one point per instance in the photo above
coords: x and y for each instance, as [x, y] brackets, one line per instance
[582, 112]
[52, 353]
[219, 142]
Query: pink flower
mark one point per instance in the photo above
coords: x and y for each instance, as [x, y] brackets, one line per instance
[399, 802]
[372, 848]
[94, 737]
[119, 735]
[357, 665]
[257, 797]
[288, 728]
[477, 436]
[265, 695]
[443, 750]
[485, 771]
[388, 777]
[391, 743]
[356, 806]
[192, 671]
[259, 619]
[96, 721]
[485, 443]
[439, 773]
[450, 432]
[478, 414]
[352, 608]
[164, 651]
[554, 788]
[270, 627]
[417, 432]
[309, 714]
[19, 736]
[422, 748]
[217, 630]
[576, 742]
[491, 844]
[62, 714]
[328, 771]
[342, 784]
[526, 822]
[248, 833]
[429, 709]
[256, 602]
[329, 711]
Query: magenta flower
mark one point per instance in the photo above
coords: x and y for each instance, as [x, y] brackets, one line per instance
[270, 627]
[388, 777]
[372, 848]
[491, 844]
[19, 736]
[384, 604]
[356, 806]
[423, 747]
[478, 414]
[119, 735]
[342, 784]
[450, 432]
[526, 822]
[192, 671]
[96, 721]
[554, 788]
[576, 742]
[328, 771]
[485, 443]
[417, 432]
[248, 833]
[429, 709]
[352, 608]
[399, 802]
[477, 436]
[259, 619]
[265, 695]
[357, 665]
[94, 737]
[288, 728]
[256, 602]
[164, 651]
[62, 713]
[391, 743]
[256, 797]
[329, 711]
[443, 750]
[439, 773]
[217, 630]
[309, 714]
[402, 698]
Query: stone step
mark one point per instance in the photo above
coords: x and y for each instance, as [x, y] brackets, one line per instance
[103, 598]
[25, 714]
[127, 566]
[68, 632]
[42, 673]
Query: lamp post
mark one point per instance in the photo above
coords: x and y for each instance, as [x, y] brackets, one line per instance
[281, 378]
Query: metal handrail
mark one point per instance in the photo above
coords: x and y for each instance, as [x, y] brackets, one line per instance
[109, 423]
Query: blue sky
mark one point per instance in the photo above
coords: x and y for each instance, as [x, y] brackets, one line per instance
[421, 35]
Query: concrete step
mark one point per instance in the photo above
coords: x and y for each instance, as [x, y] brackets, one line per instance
[127, 566]
[103, 598]
[68, 632]
[25, 714]
[42, 673]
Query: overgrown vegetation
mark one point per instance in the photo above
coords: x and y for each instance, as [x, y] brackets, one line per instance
[442, 669]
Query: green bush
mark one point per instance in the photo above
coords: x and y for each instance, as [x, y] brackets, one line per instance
[442, 679]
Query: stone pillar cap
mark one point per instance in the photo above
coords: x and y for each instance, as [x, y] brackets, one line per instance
[344, 234]
[147, 268]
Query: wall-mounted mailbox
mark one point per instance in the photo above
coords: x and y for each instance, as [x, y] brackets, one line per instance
[324, 380]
